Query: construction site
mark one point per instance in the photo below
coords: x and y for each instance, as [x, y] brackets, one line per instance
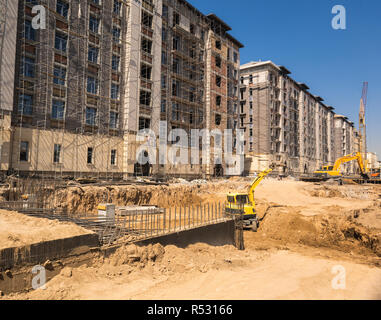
[80, 100]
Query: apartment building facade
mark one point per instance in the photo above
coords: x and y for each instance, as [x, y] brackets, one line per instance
[284, 123]
[8, 31]
[68, 110]
[100, 71]
[347, 141]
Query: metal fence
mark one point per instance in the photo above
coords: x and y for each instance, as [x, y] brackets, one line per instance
[134, 225]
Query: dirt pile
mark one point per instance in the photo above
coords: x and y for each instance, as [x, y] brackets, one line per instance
[86, 199]
[200, 258]
[171, 259]
[340, 232]
[135, 255]
[352, 192]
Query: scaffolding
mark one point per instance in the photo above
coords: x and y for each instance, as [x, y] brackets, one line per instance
[70, 128]
[3, 20]
[73, 63]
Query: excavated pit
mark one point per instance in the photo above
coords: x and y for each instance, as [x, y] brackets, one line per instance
[339, 232]
[85, 199]
[310, 227]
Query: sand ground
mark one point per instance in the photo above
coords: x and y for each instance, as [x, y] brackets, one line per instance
[18, 230]
[308, 234]
[202, 272]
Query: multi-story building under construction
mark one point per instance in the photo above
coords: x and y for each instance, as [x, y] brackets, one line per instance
[77, 89]
[287, 125]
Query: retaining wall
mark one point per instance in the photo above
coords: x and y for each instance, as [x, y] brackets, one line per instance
[219, 234]
[78, 250]
[49, 250]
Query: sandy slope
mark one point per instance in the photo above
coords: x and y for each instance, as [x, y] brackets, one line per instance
[299, 194]
[18, 229]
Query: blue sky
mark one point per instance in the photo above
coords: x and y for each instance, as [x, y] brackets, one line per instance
[298, 34]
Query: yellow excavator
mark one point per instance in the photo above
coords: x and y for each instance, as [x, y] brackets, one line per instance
[334, 171]
[243, 203]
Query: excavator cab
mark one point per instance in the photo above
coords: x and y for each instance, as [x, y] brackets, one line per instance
[239, 204]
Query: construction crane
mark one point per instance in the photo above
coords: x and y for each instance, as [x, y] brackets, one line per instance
[335, 172]
[362, 122]
[363, 149]
[243, 203]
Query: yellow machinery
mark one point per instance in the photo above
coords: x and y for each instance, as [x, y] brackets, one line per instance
[243, 203]
[334, 171]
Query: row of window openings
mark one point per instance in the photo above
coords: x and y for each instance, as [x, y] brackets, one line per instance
[177, 19]
[28, 70]
[93, 55]
[57, 153]
[61, 39]
[192, 30]
[176, 91]
[62, 7]
[60, 76]
[146, 45]
[28, 65]
[60, 42]
[190, 94]
[25, 107]
[180, 115]
[190, 118]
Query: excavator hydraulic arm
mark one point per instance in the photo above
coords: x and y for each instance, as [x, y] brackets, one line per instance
[354, 156]
[256, 182]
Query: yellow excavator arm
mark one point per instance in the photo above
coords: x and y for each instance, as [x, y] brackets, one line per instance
[354, 156]
[255, 184]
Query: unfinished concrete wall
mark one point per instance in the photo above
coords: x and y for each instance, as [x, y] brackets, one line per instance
[38, 253]
[220, 234]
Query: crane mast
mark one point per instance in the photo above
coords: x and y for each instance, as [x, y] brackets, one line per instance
[362, 122]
